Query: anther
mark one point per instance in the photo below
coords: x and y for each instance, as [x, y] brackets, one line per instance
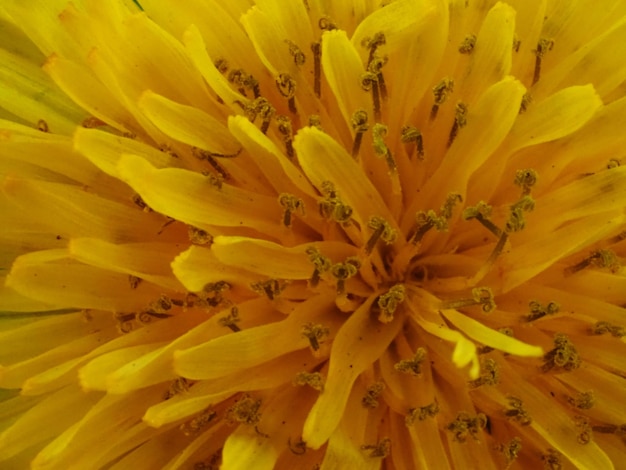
[298, 448]
[382, 231]
[379, 131]
[359, 124]
[287, 88]
[526, 100]
[344, 271]
[315, 121]
[286, 131]
[516, 43]
[245, 411]
[441, 92]
[211, 295]
[585, 436]
[411, 134]
[583, 400]
[516, 220]
[421, 413]
[231, 320]
[467, 46]
[369, 82]
[379, 450]
[260, 107]
[602, 327]
[412, 366]
[316, 48]
[298, 56]
[526, 179]
[374, 391]
[179, 385]
[244, 81]
[544, 46]
[613, 163]
[373, 44]
[42, 126]
[510, 450]
[388, 302]
[564, 355]
[466, 425]
[332, 207]
[325, 23]
[460, 121]
[538, 311]
[604, 259]
[516, 411]
[195, 425]
[221, 65]
[139, 202]
[480, 296]
[427, 220]
[270, 288]
[375, 66]
[490, 375]
[312, 379]
[290, 204]
[481, 212]
[315, 334]
[552, 460]
[322, 264]
[134, 281]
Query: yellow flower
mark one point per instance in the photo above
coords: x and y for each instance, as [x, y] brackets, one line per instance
[312, 234]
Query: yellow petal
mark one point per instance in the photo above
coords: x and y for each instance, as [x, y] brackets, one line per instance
[246, 449]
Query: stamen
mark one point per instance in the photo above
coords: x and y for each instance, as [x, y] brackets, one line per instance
[604, 259]
[286, 131]
[42, 126]
[244, 81]
[270, 288]
[544, 46]
[379, 131]
[564, 356]
[231, 320]
[369, 82]
[411, 134]
[526, 179]
[412, 366]
[315, 121]
[315, 334]
[298, 56]
[481, 212]
[516, 221]
[517, 412]
[421, 413]
[221, 65]
[538, 311]
[139, 202]
[287, 88]
[125, 321]
[490, 376]
[215, 181]
[602, 327]
[613, 163]
[290, 204]
[245, 411]
[516, 43]
[585, 436]
[180, 385]
[325, 23]
[312, 379]
[134, 281]
[389, 302]
[359, 124]
[376, 66]
[526, 100]
[466, 425]
[316, 48]
[344, 271]
[460, 121]
[332, 207]
[379, 450]
[322, 264]
[441, 92]
[382, 230]
[373, 44]
[480, 296]
[212, 295]
[195, 425]
[510, 450]
[374, 391]
[583, 401]
[552, 460]
[298, 448]
[427, 220]
[467, 46]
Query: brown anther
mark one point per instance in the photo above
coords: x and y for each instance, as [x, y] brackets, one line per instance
[538, 311]
[480, 296]
[585, 436]
[325, 23]
[516, 411]
[139, 202]
[315, 380]
[602, 327]
[179, 385]
[125, 321]
[516, 43]
[375, 66]
[287, 88]
[613, 163]
[460, 121]
[315, 121]
[421, 413]
[360, 126]
[544, 46]
[382, 231]
[552, 460]
[42, 126]
[526, 179]
[374, 391]
[244, 81]
[583, 400]
[315, 334]
[388, 302]
[516, 220]
[490, 374]
[316, 48]
[92, 122]
[285, 129]
[379, 131]
[412, 366]
[411, 134]
[244, 411]
[467, 46]
[563, 357]
[231, 320]
[441, 92]
[466, 425]
[298, 448]
[369, 82]
[195, 425]
[221, 65]
[604, 259]
[270, 288]
[344, 271]
[291, 204]
[373, 44]
[134, 281]
[332, 207]
[379, 450]
[527, 99]
[481, 212]
[322, 264]
[510, 450]
[211, 295]
[298, 56]
[198, 236]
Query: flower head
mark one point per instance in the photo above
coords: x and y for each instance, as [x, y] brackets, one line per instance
[284, 234]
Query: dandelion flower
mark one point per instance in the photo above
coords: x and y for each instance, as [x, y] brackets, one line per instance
[312, 234]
